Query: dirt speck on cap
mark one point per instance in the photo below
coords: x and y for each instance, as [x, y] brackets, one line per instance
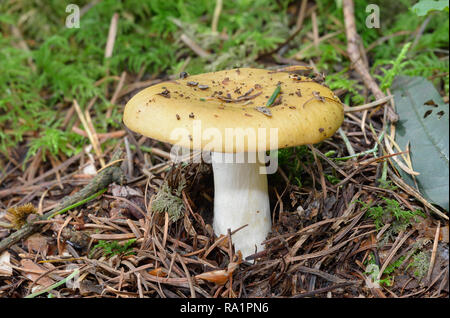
[266, 111]
[165, 93]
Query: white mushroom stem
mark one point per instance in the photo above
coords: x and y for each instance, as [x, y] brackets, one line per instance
[240, 198]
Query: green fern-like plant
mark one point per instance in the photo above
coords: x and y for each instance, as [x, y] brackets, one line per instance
[420, 264]
[169, 200]
[391, 210]
[397, 66]
[111, 248]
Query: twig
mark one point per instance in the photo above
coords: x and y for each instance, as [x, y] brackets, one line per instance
[433, 252]
[402, 184]
[93, 141]
[420, 31]
[355, 155]
[129, 158]
[347, 143]
[385, 38]
[323, 290]
[315, 28]
[321, 174]
[194, 46]
[367, 106]
[46, 290]
[356, 58]
[317, 272]
[392, 253]
[111, 35]
[216, 16]
[115, 96]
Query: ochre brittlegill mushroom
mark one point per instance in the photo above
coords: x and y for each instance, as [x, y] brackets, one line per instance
[238, 115]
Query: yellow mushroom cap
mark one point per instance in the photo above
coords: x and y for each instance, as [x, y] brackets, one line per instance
[204, 111]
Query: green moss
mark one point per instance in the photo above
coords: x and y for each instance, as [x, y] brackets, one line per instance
[69, 62]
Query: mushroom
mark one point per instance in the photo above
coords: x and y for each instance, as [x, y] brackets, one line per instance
[204, 120]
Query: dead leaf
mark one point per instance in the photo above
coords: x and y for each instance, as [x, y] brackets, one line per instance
[5, 264]
[124, 191]
[37, 243]
[33, 271]
[219, 277]
[159, 272]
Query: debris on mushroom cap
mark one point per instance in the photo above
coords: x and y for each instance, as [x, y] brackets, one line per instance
[266, 111]
[165, 93]
[184, 74]
[318, 97]
[274, 95]
[298, 110]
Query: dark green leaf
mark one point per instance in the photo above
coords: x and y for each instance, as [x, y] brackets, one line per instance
[424, 6]
[424, 123]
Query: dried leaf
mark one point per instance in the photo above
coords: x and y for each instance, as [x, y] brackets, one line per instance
[37, 243]
[159, 272]
[34, 271]
[219, 277]
[124, 191]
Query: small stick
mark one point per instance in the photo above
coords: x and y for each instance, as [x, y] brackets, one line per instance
[46, 290]
[433, 252]
[129, 157]
[323, 290]
[392, 253]
[347, 143]
[88, 131]
[319, 167]
[355, 55]
[94, 137]
[194, 46]
[383, 100]
[315, 28]
[188, 276]
[216, 16]
[114, 98]
[111, 35]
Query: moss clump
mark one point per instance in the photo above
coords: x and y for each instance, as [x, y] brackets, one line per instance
[420, 264]
[18, 215]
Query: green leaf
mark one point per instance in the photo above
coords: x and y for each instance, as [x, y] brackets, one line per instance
[424, 123]
[424, 6]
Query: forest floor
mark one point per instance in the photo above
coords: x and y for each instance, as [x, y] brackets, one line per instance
[77, 187]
